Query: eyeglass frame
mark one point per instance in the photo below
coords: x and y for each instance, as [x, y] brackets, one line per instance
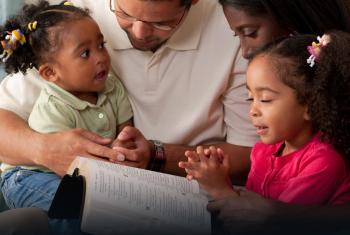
[155, 25]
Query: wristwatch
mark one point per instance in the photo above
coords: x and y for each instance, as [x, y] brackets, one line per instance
[158, 158]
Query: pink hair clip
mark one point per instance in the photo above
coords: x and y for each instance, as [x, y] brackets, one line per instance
[315, 49]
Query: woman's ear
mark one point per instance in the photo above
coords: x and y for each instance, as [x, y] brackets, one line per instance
[47, 72]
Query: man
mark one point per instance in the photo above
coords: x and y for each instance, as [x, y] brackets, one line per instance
[185, 78]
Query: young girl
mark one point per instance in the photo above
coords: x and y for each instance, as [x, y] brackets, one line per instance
[299, 90]
[66, 46]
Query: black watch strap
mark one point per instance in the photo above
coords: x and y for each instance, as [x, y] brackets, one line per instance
[158, 158]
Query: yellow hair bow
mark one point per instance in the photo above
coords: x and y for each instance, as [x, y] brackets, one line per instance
[68, 4]
[32, 26]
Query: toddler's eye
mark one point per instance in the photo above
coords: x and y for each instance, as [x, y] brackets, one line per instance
[85, 54]
[102, 45]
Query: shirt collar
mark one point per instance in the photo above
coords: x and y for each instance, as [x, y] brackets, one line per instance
[73, 101]
[186, 37]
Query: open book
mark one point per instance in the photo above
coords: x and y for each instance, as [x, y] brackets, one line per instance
[124, 200]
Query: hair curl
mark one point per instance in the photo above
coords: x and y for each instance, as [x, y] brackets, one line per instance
[324, 88]
[329, 102]
[43, 42]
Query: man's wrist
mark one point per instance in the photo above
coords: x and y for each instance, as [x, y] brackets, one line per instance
[42, 148]
[158, 158]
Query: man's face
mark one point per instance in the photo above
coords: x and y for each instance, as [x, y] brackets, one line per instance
[149, 24]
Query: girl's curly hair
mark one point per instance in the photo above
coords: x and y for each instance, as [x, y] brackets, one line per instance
[329, 101]
[324, 88]
[45, 39]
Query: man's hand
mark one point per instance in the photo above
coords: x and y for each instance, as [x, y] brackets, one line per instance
[134, 147]
[59, 149]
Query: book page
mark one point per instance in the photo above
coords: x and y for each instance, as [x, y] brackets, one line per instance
[144, 197]
[161, 179]
[165, 180]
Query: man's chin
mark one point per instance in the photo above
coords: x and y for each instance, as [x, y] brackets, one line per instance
[144, 46]
[152, 45]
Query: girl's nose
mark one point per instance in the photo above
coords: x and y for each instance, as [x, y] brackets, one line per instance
[253, 112]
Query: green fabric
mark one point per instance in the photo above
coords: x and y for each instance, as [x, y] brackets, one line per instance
[58, 110]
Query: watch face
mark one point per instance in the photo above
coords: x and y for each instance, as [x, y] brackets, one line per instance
[157, 143]
[158, 160]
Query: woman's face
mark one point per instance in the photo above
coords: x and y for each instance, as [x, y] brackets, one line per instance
[253, 31]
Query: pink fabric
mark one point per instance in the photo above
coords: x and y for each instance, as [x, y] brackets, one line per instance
[314, 174]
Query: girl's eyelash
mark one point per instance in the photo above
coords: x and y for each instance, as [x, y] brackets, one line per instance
[263, 101]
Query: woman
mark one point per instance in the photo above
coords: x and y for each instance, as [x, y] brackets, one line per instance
[256, 23]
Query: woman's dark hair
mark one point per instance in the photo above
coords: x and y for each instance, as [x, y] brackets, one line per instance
[301, 16]
[42, 42]
[186, 2]
[252, 7]
[324, 88]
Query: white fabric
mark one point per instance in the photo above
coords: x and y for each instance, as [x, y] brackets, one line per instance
[190, 91]
[18, 93]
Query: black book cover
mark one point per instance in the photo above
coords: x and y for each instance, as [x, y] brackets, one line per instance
[69, 198]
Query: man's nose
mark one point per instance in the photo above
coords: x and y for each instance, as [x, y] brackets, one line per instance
[141, 29]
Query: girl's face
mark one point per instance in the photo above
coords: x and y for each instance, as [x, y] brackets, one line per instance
[81, 63]
[274, 110]
[253, 31]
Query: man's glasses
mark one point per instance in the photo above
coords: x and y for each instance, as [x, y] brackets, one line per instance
[166, 26]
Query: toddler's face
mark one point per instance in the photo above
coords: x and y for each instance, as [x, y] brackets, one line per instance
[82, 62]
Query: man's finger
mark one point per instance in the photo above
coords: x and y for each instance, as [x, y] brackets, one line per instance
[97, 150]
[130, 154]
[128, 133]
[94, 137]
[125, 144]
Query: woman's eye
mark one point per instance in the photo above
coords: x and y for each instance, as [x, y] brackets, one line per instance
[265, 101]
[249, 32]
[85, 54]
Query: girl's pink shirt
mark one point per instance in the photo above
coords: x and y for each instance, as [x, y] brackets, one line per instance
[314, 174]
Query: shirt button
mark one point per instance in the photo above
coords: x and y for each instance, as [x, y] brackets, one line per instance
[100, 115]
